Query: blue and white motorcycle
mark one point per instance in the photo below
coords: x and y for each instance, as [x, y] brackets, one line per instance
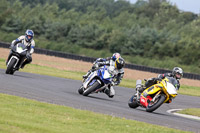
[97, 81]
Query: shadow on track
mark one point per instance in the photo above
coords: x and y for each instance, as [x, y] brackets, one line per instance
[104, 99]
[156, 113]
[16, 74]
[23, 76]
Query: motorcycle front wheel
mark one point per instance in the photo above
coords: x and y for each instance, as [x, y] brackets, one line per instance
[81, 90]
[156, 104]
[91, 88]
[10, 66]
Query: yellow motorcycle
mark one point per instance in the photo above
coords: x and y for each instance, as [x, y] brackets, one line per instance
[154, 96]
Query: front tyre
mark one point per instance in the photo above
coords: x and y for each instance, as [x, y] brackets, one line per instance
[91, 88]
[10, 66]
[81, 90]
[156, 104]
[132, 103]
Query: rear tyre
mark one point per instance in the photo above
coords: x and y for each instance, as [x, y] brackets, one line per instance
[158, 102]
[91, 88]
[132, 103]
[10, 66]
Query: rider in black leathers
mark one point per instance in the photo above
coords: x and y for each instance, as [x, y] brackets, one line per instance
[177, 73]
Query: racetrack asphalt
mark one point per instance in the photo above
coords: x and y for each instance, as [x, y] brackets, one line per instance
[64, 92]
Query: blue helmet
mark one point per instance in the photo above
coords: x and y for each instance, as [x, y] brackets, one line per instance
[29, 35]
[115, 56]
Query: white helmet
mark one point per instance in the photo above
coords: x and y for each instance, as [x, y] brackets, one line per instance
[177, 72]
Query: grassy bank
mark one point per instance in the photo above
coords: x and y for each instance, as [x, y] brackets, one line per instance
[32, 68]
[20, 115]
[191, 111]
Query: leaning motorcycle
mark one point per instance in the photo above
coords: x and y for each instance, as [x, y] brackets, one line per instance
[18, 54]
[154, 96]
[97, 81]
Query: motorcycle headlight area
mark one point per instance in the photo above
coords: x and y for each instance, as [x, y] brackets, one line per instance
[106, 75]
[171, 88]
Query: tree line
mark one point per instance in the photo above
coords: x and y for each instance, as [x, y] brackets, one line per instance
[150, 29]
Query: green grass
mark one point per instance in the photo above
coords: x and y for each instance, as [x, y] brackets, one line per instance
[20, 115]
[77, 75]
[191, 111]
[189, 90]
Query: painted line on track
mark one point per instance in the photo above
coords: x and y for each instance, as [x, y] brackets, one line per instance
[173, 111]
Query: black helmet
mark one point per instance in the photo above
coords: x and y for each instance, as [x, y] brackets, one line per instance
[119, 63]
[177, 72]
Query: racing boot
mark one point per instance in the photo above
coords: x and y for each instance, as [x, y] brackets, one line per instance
[110, 92]
[24, 63]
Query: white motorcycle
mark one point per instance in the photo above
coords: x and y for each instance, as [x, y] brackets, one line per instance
[18, 54]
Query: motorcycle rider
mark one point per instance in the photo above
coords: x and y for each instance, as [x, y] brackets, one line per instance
[28, 41]
[108, 59]
[177, 73]
[118, 63]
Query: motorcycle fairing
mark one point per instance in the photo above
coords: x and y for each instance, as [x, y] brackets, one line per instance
[104, 75]
[92, 82]
[144, 101]
[11, 59]
[146, 95]
[171, 89]
[20, 48]
[153, 89]
[101, 74]
[90, 77]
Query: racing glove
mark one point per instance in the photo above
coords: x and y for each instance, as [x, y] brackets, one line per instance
[112, 83]
[96, 65]
[115, 83]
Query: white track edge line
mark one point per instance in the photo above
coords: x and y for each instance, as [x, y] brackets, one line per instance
[173, 111]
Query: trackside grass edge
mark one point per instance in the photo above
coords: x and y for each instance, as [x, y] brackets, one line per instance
[20, 115]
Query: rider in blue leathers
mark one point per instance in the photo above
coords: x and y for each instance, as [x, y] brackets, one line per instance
[115, 61]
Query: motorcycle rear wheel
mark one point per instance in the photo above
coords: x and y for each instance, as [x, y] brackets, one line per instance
[91, 88]
[153, 106]
[9, 69]
[132, 103]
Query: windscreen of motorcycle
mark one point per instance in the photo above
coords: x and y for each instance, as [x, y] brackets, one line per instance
[111, 70]
[171, 89]
[107, 75]
[108, 72]
[172, 86]
[21, 48]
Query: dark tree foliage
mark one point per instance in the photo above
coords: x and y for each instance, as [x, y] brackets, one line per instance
[152, 28]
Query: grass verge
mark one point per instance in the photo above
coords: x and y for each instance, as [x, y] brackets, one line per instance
[77, 75]
[20, 115]
[191, 111]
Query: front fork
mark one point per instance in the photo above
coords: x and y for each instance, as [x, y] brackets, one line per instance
[155, 97]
